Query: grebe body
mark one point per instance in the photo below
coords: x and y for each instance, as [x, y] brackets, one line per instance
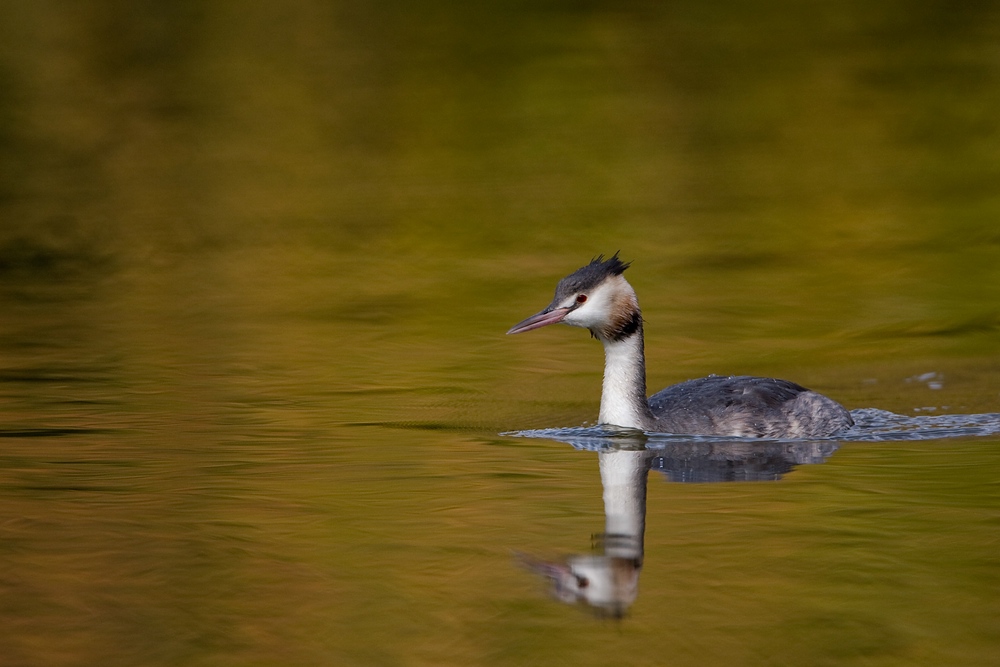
[597, 297]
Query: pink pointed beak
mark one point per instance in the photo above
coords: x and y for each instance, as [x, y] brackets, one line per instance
[538, 320]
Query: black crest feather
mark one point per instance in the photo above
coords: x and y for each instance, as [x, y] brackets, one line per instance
[588, 277]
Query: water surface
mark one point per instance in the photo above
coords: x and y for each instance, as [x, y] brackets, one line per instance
[255, 269]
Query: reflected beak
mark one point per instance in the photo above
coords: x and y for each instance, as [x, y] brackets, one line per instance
[544, 318]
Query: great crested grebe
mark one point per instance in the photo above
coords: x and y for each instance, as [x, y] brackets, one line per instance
[597, 297]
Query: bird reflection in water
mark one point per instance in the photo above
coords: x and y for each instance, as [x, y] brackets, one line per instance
[608, 582]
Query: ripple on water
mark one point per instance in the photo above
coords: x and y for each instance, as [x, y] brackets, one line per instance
[686, 458]
[871, 425]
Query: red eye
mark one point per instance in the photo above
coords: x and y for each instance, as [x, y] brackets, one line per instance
[580, 298]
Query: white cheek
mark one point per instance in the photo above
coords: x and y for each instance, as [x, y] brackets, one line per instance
[582, 317]
[594, 313]
[576, 318]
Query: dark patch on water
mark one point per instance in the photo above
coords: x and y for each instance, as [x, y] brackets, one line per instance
[45, 432]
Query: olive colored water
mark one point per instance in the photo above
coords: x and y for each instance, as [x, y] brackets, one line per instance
[255, 269]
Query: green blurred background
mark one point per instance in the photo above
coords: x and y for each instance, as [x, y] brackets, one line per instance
[257, 259]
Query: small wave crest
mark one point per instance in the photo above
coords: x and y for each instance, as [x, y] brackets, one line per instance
[872, 425]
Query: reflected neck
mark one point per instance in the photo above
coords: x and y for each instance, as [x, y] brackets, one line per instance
[623, 477]
[623, 398]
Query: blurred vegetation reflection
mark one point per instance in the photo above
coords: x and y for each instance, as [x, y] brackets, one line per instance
[256, 261]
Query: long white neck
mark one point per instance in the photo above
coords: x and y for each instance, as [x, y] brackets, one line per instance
[623, 398]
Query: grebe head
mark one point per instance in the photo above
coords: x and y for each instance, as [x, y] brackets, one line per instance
[595, 297]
